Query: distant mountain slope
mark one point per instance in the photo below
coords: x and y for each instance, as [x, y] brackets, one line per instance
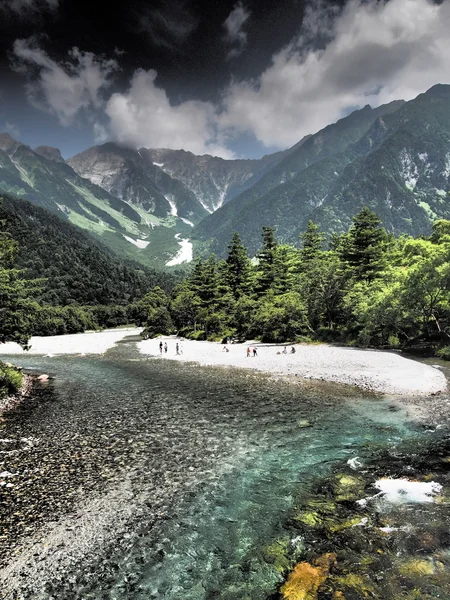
[132, 177]
[284, 186]
[399, 166]
[213, 180]
[75, 268]
[134, 232]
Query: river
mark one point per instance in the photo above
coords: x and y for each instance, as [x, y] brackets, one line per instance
[205, 468]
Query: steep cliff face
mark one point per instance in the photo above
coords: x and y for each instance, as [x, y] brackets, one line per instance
[132, 177]
[394, 159]
[213, 180]
[143, 231]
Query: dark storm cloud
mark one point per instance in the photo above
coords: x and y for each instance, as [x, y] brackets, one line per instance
[168, 24]
[299, 69]
[27, 9]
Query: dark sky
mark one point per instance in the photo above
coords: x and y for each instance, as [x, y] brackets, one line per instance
[241, 78]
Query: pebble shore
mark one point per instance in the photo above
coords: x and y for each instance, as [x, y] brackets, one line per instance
[370, 370]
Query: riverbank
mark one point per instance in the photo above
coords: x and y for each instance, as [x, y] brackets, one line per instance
[91, 342]
[371, 370]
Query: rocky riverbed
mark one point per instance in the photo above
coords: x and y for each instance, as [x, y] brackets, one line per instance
[135, 478]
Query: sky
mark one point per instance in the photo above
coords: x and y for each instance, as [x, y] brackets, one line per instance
[232, 79]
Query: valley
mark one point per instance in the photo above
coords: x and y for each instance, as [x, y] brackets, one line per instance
[395, 159]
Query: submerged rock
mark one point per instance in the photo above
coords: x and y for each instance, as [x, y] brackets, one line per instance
[278, 554]
[348, 488]
[306, 579]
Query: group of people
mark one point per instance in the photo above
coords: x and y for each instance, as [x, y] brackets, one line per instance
[178, 348]
[292, 351]
[253, 350]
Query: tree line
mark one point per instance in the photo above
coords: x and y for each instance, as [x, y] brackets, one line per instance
[367, 288]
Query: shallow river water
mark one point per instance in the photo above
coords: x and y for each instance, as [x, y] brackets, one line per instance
[215, 463]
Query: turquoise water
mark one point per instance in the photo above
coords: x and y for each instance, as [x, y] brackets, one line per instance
[218, 455]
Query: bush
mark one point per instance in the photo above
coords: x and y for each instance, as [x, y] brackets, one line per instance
[444, 353]
[11, 379]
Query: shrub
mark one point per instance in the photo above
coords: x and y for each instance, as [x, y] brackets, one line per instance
[444, 353]
[11, 379]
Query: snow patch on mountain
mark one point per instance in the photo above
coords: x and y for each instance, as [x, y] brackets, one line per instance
[185, 253]
[187, 221]
[173, 206]
[139, 243]
[409, 172]
[446, 171]
[158, 164]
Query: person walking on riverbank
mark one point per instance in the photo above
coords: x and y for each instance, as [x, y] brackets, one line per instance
[160, 347]
[165, 347]
[248, 351]
[177, 348]
[255, 351]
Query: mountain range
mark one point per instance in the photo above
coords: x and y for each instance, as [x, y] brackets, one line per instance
[157, 205]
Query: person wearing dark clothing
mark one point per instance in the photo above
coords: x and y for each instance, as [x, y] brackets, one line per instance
[255, 352]
[165, 347]
[160, 347]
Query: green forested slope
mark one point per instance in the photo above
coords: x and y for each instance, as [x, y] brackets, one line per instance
[399, 167]
[286, 180]
[131, 231]
[75, 268]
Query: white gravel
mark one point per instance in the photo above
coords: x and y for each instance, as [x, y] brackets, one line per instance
[93, 342]
[384, 372]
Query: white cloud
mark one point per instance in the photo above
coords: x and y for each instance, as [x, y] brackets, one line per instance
[63, 89]
[370, 52]
[28, 8]
[365, 53]
[12, 129]
[144, 116]
[233, 25]
[101, 134]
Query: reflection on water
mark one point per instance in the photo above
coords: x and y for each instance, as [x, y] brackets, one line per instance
[219, 465]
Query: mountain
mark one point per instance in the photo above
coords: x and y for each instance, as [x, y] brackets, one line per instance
[394, 159]
[133, 231]
[50, 153]
[153, 205]
[131, 176]
[74, 268]
[213, 180]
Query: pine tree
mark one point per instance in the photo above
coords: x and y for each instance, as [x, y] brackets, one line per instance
[238, 267]
[311, 240]
[267, 261]
[363, 248]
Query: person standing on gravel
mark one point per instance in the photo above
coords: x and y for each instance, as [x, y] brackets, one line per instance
[165, 347]
[160, 347]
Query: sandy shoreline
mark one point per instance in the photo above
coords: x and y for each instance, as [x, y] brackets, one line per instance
[378, 371]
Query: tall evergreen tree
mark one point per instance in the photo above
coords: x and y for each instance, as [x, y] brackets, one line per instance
[311, 240]
[238, 265]
[363, 248]
[267, 261]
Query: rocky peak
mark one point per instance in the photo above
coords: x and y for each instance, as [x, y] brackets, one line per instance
[50, 153]
[8, 144]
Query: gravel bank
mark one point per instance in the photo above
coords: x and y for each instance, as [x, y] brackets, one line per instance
[92, 342]
[378, 371]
